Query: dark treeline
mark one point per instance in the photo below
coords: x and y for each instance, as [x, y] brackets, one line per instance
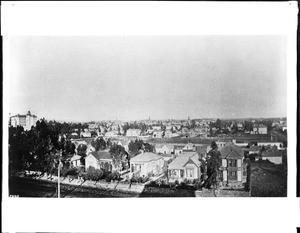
[38, 148]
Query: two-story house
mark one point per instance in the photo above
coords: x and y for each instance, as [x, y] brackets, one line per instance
[233, 169]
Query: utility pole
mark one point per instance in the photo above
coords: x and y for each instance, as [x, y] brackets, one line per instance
[58, 189]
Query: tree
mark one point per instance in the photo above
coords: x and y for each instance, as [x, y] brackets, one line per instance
[218, 124]
[248, 126]
[148, 147]
[99, 144]
[119, 156]
[81, 149]
[213, 166]
[94, 174]
[135, 146]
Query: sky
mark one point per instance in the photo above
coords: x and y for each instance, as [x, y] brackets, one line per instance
[136, 77]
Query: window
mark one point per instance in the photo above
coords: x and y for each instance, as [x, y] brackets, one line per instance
[231, 163]
[181, 173]
[232, 175]
[189, 173]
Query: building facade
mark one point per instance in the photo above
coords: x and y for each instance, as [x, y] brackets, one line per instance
[233, 169]
[26, 121]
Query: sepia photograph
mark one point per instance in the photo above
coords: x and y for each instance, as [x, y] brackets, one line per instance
[148, 116]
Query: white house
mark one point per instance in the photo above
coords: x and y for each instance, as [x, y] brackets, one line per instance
[239, 143]
[86, 134]
[178, 149]
[75, 160]
[111, 134]
[279, 145]
[146, 164]
[254, 149]
[99, 160]
[158, 133]
[133, 132]
[164, 148]
[185, 166]
[259, 129]
[189, 147]
[168, 134]
[156, 127]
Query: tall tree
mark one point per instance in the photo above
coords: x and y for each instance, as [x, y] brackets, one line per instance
[213, 166]
[120, 157]
[99, 144]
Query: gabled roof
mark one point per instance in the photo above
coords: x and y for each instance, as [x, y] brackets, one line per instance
[101, 154]
[231, 152]
[146, 157]
[180, 162]
[188, 154]
[169, 146]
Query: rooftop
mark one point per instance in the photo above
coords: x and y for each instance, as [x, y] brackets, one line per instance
[146, 157]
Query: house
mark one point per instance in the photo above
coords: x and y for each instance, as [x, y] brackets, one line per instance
[279, 145]
[254, 149]
[168, 134]
[220, 144]
[133, 132]
[233, 169]
[185, 166]
[240, 126]
[75, 160]
[164, 148]
[99, 160]
[178, 149]
[158, 134]
[169, 127]
[158, 128]
[86, 134]
[189, 147]
[192, 134]
[240, 143]
[111, 134]
[146, 164]
[259, 129]
[273, 155]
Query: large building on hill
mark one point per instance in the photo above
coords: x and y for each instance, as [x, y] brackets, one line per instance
[26, 121]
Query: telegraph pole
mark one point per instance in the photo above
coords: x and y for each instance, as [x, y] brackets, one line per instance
[58, 189]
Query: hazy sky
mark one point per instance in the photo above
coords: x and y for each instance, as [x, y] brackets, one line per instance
[162, 77]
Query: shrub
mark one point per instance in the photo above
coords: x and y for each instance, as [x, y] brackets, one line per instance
[94, 174]
[114, 176]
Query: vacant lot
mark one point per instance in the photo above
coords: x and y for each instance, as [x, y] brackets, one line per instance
[268, 179]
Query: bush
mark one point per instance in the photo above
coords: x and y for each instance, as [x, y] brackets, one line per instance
[114, 176]
[94, 174]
